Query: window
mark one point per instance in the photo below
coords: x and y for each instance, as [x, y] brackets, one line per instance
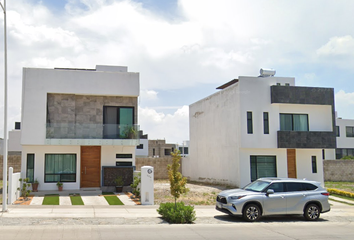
[153, 152]
[30, 167]
[349, 131]
[337, 131]
[277, 187]
[314, 164]
[117, 121]
[123, 155]
[60, 167]
[167, 152]
[124, 164]
[323, 154]
[342, 152]
[183, 150]
[266, 123]
[293, 122]
[278, 84]
[249, 123]
[287, 84]
[263, 166]
[140, 146]
[294, 187]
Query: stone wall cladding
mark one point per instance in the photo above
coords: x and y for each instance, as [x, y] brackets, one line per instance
[81, 115]
[338, 170]
[13, 160]
[303, 139]
[159, 164]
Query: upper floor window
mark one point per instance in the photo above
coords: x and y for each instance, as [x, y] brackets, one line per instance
[249, 123]
[294, 122]
[337, 131]
[117, 122]
[266, 123]
[349, 131]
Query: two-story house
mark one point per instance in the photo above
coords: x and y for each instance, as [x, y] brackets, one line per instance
[345, 138]
[260, 127]
[79, 126]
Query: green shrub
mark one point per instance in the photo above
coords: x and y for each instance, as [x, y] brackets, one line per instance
[350, 157]
[178, 213]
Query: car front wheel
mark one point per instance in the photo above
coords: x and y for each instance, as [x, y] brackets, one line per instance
[312, 212]
[251, 213]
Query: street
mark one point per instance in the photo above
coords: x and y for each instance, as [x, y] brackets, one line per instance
[127, 223]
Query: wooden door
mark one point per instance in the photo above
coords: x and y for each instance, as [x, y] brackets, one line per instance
[291, 163]
[90, 166]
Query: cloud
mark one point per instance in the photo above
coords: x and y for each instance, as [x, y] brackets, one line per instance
[344, 104]
[146, 95]
[338, 46]
[172, 127]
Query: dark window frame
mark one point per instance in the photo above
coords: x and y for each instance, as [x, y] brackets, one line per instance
[254, 157]
[124, 155]
[60, 174]
[31, 180]
[292, 120]
[349, 131]
[140, 146]
[265, 122]
[337, 131]
[314, 164]
[249, 123]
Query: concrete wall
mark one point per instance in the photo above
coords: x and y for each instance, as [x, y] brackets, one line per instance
[13, 160]
[159, 164]
[338, 170]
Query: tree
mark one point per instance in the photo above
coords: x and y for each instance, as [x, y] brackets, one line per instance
[177, 181]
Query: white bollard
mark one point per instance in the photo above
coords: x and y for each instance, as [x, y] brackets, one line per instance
[147, 185]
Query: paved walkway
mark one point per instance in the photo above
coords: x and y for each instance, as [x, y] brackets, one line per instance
[88, 200]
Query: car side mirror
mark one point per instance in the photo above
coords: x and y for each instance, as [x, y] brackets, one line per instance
[270, 191]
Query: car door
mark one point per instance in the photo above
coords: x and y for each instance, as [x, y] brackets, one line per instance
[274, 203]
[295, 197]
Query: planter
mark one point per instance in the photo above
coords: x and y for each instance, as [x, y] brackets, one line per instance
[60, 188]
[119, 189]
[35, 187]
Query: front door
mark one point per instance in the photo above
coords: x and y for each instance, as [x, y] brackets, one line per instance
[291, 155]
[90, 166]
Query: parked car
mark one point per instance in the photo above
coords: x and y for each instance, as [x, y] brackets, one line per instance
[275, 196]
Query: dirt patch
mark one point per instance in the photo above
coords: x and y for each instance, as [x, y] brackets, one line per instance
[22, 201]
[198, 194]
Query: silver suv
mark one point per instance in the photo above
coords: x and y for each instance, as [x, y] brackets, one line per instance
[275, 196]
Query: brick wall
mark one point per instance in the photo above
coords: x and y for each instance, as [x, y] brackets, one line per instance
[13, 160]
[338, 170]
[159, 164]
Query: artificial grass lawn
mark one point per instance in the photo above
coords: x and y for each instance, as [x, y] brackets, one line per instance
[113, 200]
[76, 200]
[51, 200]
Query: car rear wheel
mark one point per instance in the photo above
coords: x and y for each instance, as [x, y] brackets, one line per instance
[251, 213]
[312, 212]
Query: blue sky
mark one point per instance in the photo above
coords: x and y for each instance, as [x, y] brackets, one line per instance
[184, 49]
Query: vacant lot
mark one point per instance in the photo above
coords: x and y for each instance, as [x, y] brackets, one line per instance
[345, 186]
[198, 194]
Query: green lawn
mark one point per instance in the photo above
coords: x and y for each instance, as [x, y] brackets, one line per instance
[51, 200]
[113, 200]
[344, 186]
[76, 200]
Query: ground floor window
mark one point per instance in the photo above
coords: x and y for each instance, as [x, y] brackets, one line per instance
[30, 167]
[60, 167]
[263, 166]
[344, 152]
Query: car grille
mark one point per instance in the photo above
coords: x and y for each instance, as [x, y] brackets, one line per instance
[221, 199]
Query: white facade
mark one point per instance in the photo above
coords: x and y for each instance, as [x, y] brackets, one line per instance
[345, 139]
[221, 147]
[80, 102]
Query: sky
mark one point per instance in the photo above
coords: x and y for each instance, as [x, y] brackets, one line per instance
[183, 49]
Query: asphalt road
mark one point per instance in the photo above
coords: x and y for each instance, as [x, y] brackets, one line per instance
[337, 224]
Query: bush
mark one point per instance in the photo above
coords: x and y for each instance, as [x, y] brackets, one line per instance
[177, 213]
[340, 192]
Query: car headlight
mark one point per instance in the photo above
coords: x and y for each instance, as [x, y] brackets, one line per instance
[236, 197]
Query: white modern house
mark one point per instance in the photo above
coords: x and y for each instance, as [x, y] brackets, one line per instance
[79, 126]
[262, 126]
[345, 138]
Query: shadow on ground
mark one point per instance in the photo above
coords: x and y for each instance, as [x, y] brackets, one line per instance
[278, 219]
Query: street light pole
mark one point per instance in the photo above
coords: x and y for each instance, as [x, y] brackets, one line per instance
[4, 159]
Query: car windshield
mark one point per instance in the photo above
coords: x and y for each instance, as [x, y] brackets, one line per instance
[256, 186]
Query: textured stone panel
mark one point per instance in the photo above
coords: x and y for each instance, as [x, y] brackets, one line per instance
[111, 173]
[294, 139]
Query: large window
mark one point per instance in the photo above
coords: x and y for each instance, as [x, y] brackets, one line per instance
[60, 167]
[249, 123]
[117, 122]
[30, 167]
[294, 122]
[342, 152]
[263, 166]
[349, 131]
[266, 123]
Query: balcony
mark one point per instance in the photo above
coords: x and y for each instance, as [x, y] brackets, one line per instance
[305, 139]
[91, 134]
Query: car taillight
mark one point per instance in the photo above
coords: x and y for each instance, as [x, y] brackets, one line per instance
[325, 193]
